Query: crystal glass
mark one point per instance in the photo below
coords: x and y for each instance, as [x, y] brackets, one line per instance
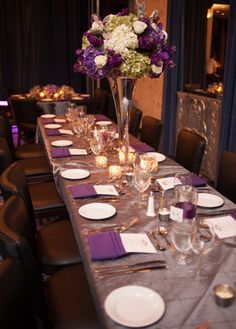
[185, 198]
[201, 242]
[97, 144]
[81, 110]
[141, 181]
[71, 112]
[183, 179]
[181, 233]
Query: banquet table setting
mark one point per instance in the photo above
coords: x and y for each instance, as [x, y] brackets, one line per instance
[128, 246]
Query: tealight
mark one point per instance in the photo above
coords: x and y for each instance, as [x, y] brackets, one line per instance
[115, 172]
[121, 157]
[224, 295]
[101, 161]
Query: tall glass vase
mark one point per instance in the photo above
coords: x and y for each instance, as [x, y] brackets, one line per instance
[122, 90]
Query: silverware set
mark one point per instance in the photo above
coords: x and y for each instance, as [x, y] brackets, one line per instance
[110, 271]
[118, 227]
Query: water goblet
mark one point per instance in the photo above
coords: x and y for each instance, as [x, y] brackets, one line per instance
[97, 144]
[182, 179]
[201, 242]
[181, 233]
[141, 181]
[81, 110]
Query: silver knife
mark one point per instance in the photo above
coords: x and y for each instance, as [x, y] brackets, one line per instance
[129, 266]
[106, 275]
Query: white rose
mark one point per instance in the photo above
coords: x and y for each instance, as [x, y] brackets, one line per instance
[97, 26]
[100, 61]
[154, 26]
[165, 34]
[139, 27]
[157, 69]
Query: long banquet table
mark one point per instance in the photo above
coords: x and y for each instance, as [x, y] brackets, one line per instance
[188, 302]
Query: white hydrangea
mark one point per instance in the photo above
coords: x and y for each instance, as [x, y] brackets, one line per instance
[100, 61]
[97, 26]
[157, 69]
[139, 27]
[121, 39]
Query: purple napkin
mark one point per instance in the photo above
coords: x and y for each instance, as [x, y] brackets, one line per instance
[53, 132]
[60, 152]
[142, 148]
[100, 117]
[83, 191]
[234, 215]
[106, 245]
[47, 120]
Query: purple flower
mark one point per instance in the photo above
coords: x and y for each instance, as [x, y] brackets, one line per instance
[95, 40]
[114, 60]
[150, 39]
[123, 12]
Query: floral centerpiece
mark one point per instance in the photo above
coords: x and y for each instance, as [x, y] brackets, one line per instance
[52, 91]
[124, 47]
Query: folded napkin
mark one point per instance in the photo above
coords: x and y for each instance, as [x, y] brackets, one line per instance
[142, 148]
[197, 181]
[83, 191]
[53, 132]
[106, 245]
[100, 117]
[47, 120]
[60, 152]
[234, 215]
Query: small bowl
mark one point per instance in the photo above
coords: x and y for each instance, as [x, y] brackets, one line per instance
[224, 295]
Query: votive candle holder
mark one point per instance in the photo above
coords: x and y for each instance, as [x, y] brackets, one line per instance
[101, 161]
[115, 172]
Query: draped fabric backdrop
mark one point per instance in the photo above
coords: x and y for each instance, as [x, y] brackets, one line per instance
[228, 112]
[186, 27]
[38, 40]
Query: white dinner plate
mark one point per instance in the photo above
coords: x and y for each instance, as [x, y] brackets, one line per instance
[77, 98]
[97, 210]
[61, 143]
[52, 126]
[84, 95]
[158, 156]
[103, 123]
[134, 306]
[48, 116]
[208, 200]
[46, 100]
[75, 173]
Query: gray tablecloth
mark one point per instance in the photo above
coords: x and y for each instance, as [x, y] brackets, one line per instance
[188, 302]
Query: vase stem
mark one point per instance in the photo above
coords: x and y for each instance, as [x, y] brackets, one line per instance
[122, 90]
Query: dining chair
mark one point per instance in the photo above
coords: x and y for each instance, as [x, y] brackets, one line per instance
[23, 151]
[226, 181]
[64, 300]
[135, 120]
[16, 310]
[190, 149]
[56, 240]
[150, 132]
[26, 112]
[36, 169]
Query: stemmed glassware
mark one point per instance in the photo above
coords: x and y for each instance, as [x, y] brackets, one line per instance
[71, 113]
[201, 242]
[141, 181]
[181, 233]
[97, 143]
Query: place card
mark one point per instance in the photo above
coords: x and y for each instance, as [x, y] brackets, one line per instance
[106, 190]
[65, 131]
[223, 226]
[166, 183]
[137, 242]
[78, 151]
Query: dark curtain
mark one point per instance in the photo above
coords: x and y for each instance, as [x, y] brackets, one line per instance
[228, 111]
[38, 40]
[186, 27]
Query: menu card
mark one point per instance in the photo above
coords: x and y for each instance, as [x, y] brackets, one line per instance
[223, 226]
[166, 183]
[137, 242]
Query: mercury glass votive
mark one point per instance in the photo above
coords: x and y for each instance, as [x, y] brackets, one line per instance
[131, 158]
[115, 172]
[101, 161]
[121, 157]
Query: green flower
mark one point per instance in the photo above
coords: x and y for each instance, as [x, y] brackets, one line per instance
[114, 21]
[135, 65]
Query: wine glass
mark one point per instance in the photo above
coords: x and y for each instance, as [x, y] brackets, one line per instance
[182, 178]
[181, 233]
[97, 144]
[71, 112]
[141, 181]
[81, 110]
[201, 242]
[78, 126]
